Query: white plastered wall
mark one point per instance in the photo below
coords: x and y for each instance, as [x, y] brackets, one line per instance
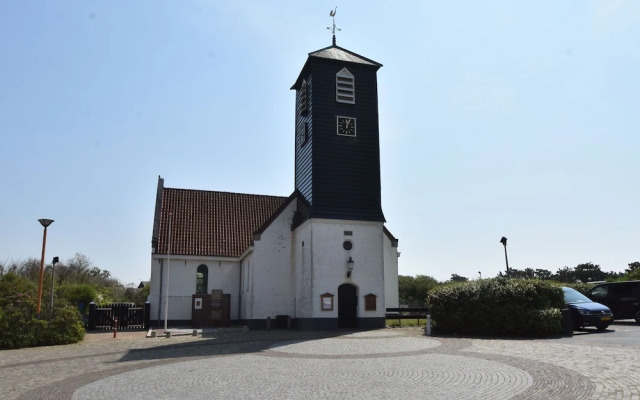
[391, 290]
[303, 271]
[323, 265]
[246, 290]
[273, 273]
[223, 274]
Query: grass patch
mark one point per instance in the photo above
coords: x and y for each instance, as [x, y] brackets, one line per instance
[404, 323]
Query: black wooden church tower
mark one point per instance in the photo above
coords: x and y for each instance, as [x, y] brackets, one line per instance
[337, 148]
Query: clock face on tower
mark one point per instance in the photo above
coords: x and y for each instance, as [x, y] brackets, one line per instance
[346, 126]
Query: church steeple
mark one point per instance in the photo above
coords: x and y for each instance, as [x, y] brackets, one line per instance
[337, 148]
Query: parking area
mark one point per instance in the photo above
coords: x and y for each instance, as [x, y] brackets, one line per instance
[625, 334]
[280, 364]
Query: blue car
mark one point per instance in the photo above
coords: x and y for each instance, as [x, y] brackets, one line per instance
[585, 312]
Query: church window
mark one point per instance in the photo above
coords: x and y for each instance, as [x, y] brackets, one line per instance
[347, 245]
[304, 98]
[345, 87]
[202, 279]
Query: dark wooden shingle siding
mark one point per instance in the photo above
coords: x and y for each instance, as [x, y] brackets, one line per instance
[303, 154]
[345, 171]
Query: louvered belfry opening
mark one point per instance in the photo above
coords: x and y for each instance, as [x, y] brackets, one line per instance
[345, 87]
[304, 97]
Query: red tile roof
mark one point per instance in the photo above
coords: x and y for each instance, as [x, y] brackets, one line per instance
[207, 223]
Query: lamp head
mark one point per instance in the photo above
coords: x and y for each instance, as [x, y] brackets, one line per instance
[503, 241]
[350, 265]
[45, 222]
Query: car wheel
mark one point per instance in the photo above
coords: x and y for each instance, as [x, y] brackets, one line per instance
[602, 327]
[637, 316]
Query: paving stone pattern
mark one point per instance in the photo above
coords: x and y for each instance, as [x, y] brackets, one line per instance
[280, 364]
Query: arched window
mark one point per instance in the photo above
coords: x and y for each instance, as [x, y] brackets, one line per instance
[202, 279]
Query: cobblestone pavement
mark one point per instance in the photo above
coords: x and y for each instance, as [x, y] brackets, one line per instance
[380, 364]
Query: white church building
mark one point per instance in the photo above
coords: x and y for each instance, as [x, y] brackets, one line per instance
[320, 258]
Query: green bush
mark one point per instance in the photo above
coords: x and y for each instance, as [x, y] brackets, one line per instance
[65, 327]
[18, 322]
[77, 294]
[497, 307]
[17, 312]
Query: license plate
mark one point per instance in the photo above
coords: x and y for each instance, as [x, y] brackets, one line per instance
[605, 319]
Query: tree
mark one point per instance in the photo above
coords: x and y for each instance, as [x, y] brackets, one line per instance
[634, 266]
[588, 272]
[414, 290]
[79, 295]
[565, 275]
[633, 272]
[405, 288]
[78, 270]
[542, 274]
[458, 278]
[136, 294]
[29, 269]
[514, 273]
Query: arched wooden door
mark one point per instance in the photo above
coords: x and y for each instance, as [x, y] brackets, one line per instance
[347, 306]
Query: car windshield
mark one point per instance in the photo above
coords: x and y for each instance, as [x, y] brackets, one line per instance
[573, 296]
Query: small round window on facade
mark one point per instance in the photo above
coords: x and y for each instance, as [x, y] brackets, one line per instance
[347, 245]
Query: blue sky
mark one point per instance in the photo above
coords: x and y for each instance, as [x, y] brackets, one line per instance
[498, 118]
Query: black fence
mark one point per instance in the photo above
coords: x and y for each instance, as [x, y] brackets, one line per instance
[129, 316]
[407, 313]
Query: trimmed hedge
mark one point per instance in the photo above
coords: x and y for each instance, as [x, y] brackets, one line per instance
[498, 307]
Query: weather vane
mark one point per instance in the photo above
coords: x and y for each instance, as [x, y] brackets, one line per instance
[332, 14]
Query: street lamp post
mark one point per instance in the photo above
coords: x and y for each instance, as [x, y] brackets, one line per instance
[45, 223]
[53, 272]
[504, 243]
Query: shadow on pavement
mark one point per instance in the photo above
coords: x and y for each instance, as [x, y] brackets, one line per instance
[591, 331]
[627, 322]
[225, 343]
